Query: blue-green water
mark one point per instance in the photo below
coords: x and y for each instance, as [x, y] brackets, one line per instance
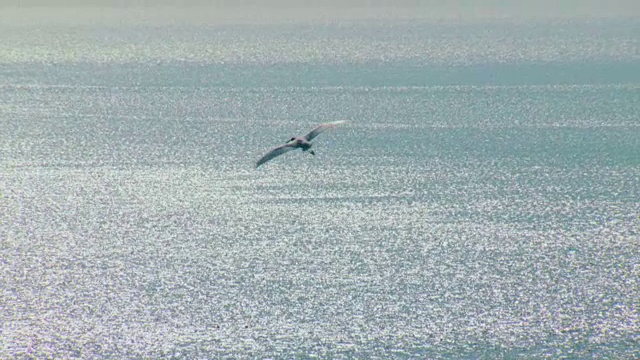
[483, 200]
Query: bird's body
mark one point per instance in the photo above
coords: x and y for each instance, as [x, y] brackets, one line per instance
[302, 142]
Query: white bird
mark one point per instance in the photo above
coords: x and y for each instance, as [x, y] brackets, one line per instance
[301, 142]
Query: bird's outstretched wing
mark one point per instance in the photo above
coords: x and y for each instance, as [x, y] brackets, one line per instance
[320, 128]
[275, 152]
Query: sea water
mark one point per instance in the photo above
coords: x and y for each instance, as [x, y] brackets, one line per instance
[482, 200]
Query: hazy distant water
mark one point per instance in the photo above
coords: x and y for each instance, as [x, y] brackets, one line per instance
[483, 201]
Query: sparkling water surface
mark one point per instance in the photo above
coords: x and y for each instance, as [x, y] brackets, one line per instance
[482, 201]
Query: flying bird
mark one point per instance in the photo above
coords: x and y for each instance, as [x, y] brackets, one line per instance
[302, 142]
